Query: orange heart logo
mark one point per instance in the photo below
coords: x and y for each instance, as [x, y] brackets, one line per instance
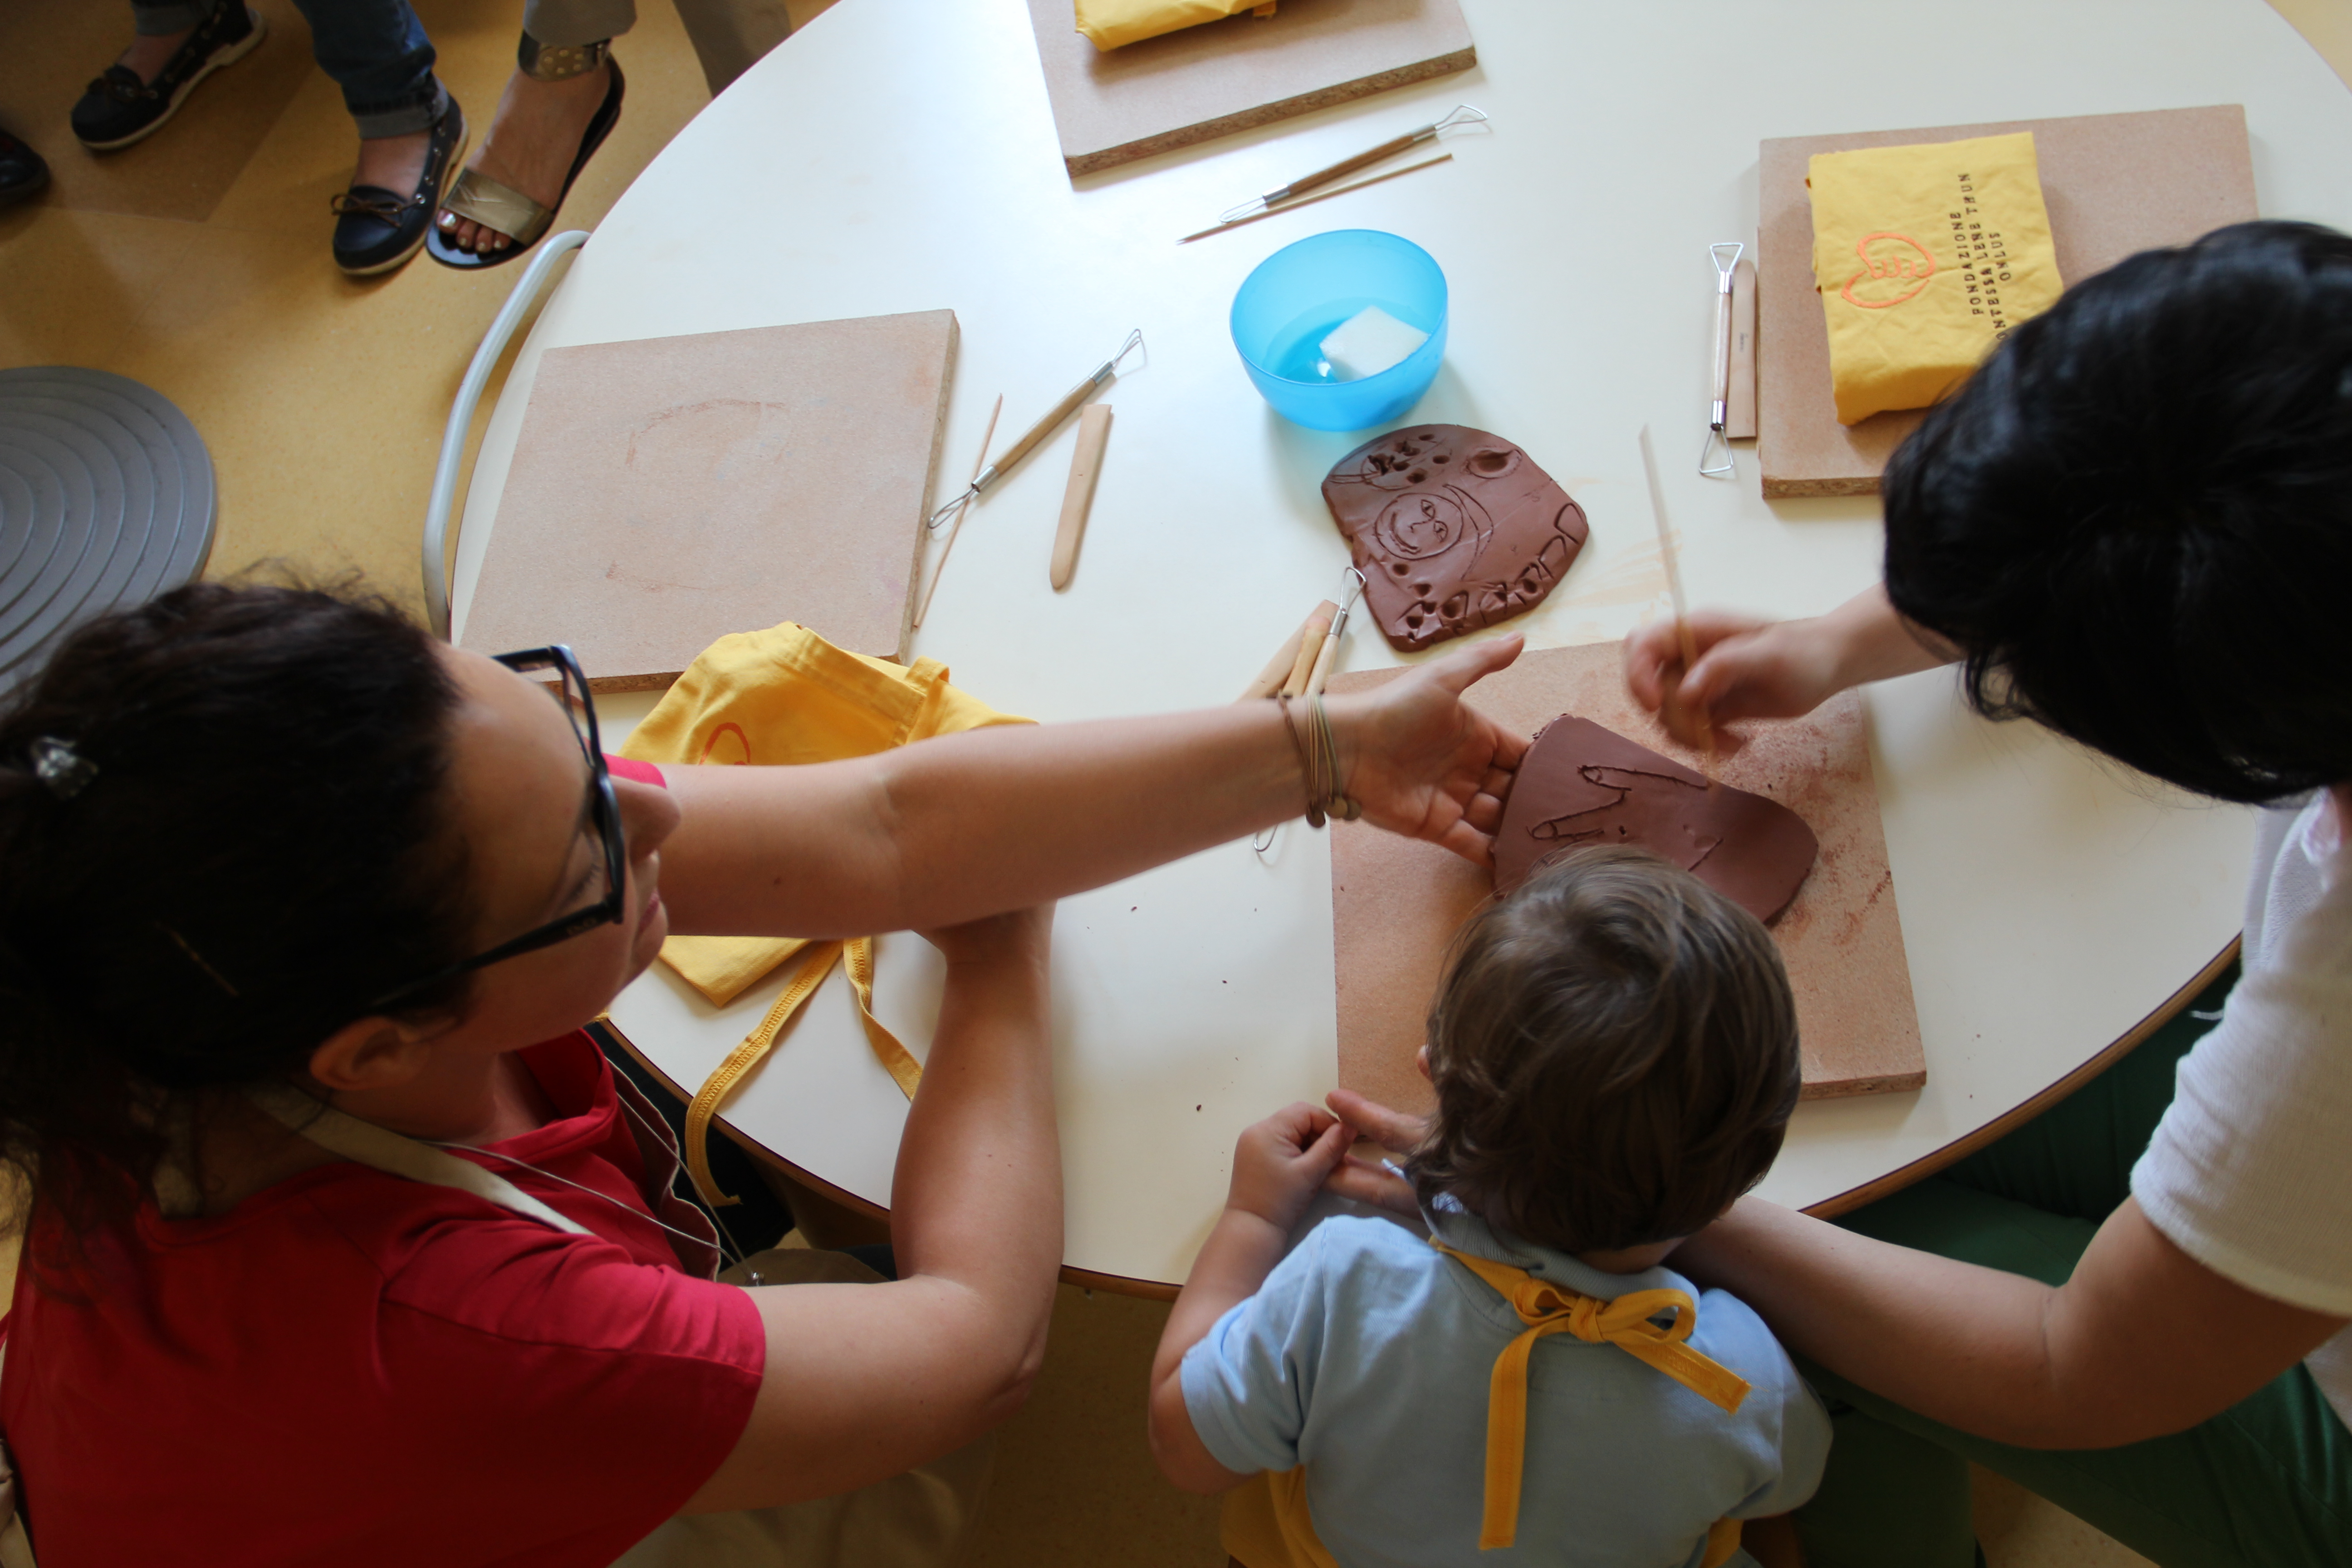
[1891, 274]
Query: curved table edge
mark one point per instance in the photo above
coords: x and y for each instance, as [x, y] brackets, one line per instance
[1951, 1153]
[1084, 1279]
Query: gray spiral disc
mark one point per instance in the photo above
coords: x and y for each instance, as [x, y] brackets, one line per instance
[106, 500]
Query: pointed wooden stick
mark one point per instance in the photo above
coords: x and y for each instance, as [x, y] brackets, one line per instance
[978, 463]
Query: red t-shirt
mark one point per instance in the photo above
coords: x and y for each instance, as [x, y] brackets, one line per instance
[351, 1368]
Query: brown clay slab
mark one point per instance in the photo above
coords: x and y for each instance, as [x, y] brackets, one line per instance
[2115, 184]
[668, 491]
[1199, 83]
[1395, 904]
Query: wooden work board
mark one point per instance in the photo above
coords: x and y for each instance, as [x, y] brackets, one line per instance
[2115, 184]
[668, 491]
[1209, 81]
[1397, 903]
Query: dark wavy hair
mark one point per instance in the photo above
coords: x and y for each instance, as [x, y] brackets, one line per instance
[2136, 518]
[1615, 1051]
[260, 846]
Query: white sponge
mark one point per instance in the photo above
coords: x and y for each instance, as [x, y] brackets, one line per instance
[1369, 342]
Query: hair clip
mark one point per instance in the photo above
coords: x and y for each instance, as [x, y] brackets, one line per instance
[57, 765]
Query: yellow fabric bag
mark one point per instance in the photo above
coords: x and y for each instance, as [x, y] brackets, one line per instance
[786, 697]
[1113, 23]
[1924, 258]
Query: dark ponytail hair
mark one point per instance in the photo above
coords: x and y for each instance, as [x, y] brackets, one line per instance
[243, 838]
[2136, 518]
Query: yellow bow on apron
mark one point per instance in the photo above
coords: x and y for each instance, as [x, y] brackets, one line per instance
[1266, 1523]
[786, 697]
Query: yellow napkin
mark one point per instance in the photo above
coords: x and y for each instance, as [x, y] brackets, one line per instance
[786, 695]
[1924, 258]
[1111, 23]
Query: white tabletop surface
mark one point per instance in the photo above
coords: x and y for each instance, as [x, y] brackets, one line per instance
[900, 155]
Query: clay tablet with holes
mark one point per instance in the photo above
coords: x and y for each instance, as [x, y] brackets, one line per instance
[1582, 785]
[1454, 530]
[668, 491]
[1395, 904]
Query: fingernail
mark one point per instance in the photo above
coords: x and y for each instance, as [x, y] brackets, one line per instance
[448, 220]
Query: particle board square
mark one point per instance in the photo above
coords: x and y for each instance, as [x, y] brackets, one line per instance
[668, 491]
[1206, 81]
[1396, 903]
[2115, 184]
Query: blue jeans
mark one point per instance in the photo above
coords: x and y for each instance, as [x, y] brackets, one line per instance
[376, 49]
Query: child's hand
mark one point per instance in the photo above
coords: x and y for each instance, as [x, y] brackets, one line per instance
[1363, 1181]
[1281, 1162]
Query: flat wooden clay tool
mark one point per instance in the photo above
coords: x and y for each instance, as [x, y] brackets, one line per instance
[1085, 465]
[1310, 644]
[1739, 401]
[1689, 644]
[1277, 673]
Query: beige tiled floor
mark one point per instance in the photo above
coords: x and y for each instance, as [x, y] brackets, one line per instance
[197, 263]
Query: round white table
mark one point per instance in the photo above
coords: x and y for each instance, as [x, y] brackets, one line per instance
[900, 155]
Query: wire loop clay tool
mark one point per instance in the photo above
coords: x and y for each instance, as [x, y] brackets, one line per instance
[1263, 205]
[978, 458]
[1714, 454]
[1040, 430]
[1674, 588]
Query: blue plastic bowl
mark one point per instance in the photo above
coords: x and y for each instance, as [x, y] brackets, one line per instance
[1296, 295]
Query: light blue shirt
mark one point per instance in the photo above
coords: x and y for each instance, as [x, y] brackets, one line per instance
[1366, 1357]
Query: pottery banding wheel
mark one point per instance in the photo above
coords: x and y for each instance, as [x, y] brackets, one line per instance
[106, 500]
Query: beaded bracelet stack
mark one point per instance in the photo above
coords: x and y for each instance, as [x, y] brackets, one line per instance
[1318, 760]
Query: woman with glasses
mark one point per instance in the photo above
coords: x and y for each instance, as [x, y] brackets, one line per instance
[343, 1243]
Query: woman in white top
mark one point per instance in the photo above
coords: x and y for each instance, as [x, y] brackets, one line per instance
[2133, 524]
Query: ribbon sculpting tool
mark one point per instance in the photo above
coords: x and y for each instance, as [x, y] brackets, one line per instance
[1071, 400]
[1674, 588]
[1328, 654]
[1714, 454]
[1259, 205]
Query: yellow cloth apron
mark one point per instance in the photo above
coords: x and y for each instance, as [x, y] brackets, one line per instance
[1266, 1523]
[1112, 23]
[781, 698]
[1924, 258]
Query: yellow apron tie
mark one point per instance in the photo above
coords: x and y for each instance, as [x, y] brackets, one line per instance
[785, 697]
[818, 963]
[1549, 1309]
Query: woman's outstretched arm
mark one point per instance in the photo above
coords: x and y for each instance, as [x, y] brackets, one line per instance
[962, 826]
[2142, 1340]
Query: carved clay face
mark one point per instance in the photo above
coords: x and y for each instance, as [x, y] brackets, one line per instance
[1453, 528]
[1581, 784]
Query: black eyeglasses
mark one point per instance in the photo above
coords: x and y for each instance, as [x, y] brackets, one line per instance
[603, 810]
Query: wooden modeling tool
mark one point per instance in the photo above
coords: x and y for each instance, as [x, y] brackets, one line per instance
[1674, 589]
[1714, 454]
[1277, 673]
[1328, 654]
[985, 437]
[1085, 466]
[1042, 428]
[1320, 196]
[1259, 205]
[1739, 402]
[1310, 644]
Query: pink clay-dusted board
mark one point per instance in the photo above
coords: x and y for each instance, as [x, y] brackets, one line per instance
[1220, 77]
[1396, 902]
[668, 491]
[2115, 184]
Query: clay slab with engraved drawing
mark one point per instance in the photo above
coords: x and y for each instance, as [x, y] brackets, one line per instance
[1582, 785]
[1395, 902]
[1454, 530]
[668, 491]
